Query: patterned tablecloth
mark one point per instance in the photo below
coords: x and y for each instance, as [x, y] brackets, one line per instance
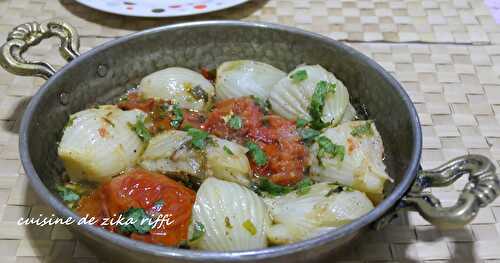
[446, 53]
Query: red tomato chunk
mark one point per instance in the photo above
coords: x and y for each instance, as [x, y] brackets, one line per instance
[142, 189]
[276, 136]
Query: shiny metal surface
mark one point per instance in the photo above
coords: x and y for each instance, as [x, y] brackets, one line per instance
[30, 34]
[482, 188]
[104, 73]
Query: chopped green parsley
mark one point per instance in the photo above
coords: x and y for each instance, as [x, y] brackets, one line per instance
[68, 195]
[328, 149]
[299, 76]
[318, 103]
[258, 156]
[363, 130]
[235, 122]
[300, 123]
[140, 129]
[308, 135]
[264, 105]
[227, 150]
[265, 185]
[304, 186]
[178, 116]
[198, 231]
[199, 138]
[139, 222]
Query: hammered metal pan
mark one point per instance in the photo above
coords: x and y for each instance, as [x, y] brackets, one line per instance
[104, 73]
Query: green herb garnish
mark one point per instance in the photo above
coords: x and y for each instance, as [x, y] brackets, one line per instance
[273, 189]
[300, 123]
[265, 185]
[318, 103]
[363, 130]
[138, 222]
[227, 150]
[308, 135]
[68, 195]
[258, 156]
[199, 138]
[328, 149]
[235, 122]
[178, 116]
[264, 105]
[250, 227]
[140, 129]
[304, 186]
[198, 231]
[299, 76]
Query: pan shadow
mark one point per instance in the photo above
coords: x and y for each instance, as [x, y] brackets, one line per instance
[13, 125]
[397, 242]
[136, 23]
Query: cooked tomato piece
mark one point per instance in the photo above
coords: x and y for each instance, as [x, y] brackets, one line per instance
[287, 156]
[275, 135]
[158, 112]
[142, 189]
[244, 108]
[134, 100]
[91, 205]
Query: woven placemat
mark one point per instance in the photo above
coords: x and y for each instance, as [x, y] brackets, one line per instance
[453, 81]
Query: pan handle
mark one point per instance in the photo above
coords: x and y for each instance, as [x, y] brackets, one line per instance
[481, 189]
[24, 36]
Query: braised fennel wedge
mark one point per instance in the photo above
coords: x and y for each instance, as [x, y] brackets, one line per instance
[186, 87]
[246, 78]
[101, 142]
[351, 154]
[173, 152]
[233, 217]
[326, 206]
[315, 95]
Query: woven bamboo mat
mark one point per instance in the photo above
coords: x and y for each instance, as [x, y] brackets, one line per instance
[445, 56]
